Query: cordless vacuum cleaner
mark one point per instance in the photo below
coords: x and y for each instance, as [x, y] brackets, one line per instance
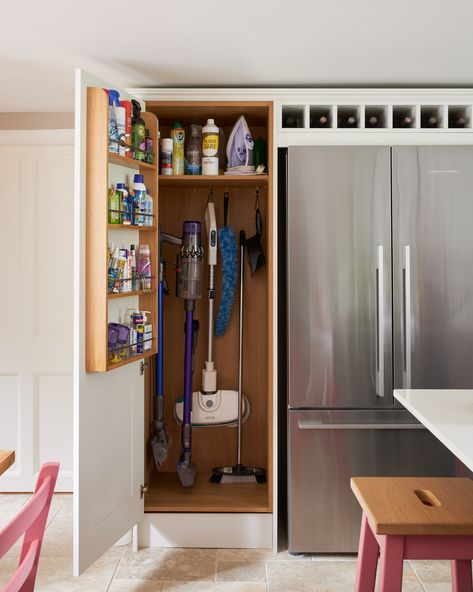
[211, 406]
[189, 288]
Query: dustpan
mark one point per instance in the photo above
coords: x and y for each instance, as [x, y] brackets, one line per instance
[240, 149]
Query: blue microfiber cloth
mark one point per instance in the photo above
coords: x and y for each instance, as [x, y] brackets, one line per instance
[229, 255]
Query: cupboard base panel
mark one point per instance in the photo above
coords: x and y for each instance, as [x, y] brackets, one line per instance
[166, 494]
[206, 530]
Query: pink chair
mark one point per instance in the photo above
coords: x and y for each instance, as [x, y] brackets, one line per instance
[31, 522]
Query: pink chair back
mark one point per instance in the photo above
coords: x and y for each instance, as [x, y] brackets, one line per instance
[31, 522]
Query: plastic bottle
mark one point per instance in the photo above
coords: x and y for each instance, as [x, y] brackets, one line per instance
[166, 156]
[210, 148]
[113, 101]
[139, 192]
[127, 106]
[178, 136]
[126, 204]
[137, 132]
[149, 144]
[114, 204]
[134, 275]
[144, 267]
[149, 220]
[194, 151]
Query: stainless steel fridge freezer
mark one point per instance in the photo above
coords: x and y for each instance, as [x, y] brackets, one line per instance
[379, 289]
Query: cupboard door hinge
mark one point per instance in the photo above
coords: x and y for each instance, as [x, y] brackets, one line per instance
[143, 490]
[143, 365]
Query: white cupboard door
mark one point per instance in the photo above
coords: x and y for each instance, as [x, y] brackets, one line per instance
[108, 407]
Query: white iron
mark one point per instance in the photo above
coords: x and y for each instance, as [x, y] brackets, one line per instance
[240, 149]
[211, 406]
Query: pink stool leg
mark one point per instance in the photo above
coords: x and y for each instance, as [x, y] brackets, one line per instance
[367, 559]
[391, 560]
[461, 576]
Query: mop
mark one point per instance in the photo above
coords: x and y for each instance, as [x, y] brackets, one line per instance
[211, 406]
[239, 473]
[189, 288]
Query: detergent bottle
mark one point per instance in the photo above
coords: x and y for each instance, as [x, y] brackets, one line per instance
[210, 148]
[139, 193]
[138, 132]
[178, 136]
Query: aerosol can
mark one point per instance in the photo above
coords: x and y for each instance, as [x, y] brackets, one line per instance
[189, 287]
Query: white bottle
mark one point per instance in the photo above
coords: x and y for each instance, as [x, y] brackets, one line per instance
[149, 220]
[139, 191]
[210, 148]
[120, 117]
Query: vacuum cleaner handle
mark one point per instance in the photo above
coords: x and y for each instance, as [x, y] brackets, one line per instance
[211, 226]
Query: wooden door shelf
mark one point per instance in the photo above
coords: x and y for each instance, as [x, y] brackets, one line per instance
[132, 227]
[130, 163]
[112, 295]
[166, 494]
[113, 365]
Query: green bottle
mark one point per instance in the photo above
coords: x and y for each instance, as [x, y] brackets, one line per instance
[138, 132]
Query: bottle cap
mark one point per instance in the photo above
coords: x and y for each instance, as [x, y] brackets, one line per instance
[166, 144]
[177, 125]
[138, 178]
[113, 97]
[121, 186]
[210, 122]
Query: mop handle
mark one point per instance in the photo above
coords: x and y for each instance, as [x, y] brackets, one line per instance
[160, 358]
[240, 353]
[188, 367]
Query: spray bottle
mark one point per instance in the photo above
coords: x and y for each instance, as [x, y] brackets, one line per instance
[194, 151]
[138, 132]
[113, 137]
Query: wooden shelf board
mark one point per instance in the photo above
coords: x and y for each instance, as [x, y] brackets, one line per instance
[166, 494]
[129, 162]
[213, 180]
[148, 353]
[132, 227]
[112, 296]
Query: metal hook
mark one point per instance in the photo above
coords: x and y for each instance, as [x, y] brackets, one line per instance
[210, 197]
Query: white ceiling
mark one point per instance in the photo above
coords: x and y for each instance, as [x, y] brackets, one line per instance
[221, 43]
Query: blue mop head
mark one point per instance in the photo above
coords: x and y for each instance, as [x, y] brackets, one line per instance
[229, 254]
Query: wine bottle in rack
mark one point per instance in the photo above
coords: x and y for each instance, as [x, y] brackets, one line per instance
[372, 121]
[403, 120]
[429, 120]
[456, 120]
[347, 121]
[319, 120]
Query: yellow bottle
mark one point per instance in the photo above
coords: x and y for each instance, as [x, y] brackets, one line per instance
[177, 135]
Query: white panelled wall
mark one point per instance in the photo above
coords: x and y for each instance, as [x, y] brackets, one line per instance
[36, 243]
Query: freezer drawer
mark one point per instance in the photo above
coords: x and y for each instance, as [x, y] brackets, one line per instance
[326, 448]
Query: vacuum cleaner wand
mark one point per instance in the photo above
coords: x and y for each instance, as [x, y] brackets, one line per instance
[189, 288]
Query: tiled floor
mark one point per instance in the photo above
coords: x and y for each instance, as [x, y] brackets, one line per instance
[195, 570]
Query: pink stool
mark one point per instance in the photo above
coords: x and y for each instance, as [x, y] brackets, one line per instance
[413, 518]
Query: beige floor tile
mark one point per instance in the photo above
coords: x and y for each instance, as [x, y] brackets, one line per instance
[241, 571]
[311, 576]
[135, 586]
[339, 557]
[257, 555]
[434, 575]
[168, 565]
[213, 587]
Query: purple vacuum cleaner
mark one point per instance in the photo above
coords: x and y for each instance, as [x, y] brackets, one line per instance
[189, 288]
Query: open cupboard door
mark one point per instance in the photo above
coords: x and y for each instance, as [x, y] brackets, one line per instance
[108, 405]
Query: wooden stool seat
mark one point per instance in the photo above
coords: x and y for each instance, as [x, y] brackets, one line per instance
[413, 518]
[416, 505]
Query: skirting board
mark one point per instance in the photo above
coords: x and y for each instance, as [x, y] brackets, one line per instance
[201, 530]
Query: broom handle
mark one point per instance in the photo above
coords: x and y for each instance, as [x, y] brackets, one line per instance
[240, 352]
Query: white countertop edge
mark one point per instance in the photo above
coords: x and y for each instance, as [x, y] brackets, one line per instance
[437, 431]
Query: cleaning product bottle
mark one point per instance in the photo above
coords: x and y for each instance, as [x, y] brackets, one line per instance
[210, 148]
[127, 106]
[134, 275]
[144, 267]
[194, 151]
[113, 206]
[126, 204]
[166, 156]
[149, 144]
[178, 136]
[149, 219]
[138, 132]
[113, 101]
[139, 191]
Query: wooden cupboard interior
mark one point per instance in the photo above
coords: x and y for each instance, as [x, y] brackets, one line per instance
[177, 199]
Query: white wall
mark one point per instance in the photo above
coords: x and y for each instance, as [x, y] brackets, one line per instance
[36, 243]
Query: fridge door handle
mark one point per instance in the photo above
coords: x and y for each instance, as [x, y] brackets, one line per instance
[306, 424]
[380, 322]
[406, 297]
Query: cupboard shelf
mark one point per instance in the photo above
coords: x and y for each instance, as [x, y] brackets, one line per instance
[113, 295]
[130, 163]
[213, 180]
[132, 227]
[166, 494]
[129, 360]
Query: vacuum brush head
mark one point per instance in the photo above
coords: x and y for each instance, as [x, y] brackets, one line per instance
[186, 471]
